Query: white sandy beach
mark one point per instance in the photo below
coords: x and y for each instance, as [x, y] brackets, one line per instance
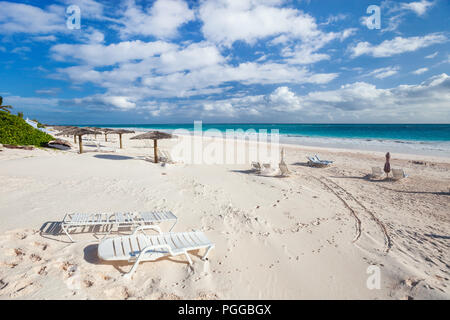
[310, 235]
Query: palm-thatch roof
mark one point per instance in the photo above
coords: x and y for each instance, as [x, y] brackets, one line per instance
[122, 131]
[77, 132]
[153, 135]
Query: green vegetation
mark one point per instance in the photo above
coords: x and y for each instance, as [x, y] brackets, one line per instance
[14, 130]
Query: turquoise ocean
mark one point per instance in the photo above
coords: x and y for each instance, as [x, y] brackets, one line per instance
[432, 139]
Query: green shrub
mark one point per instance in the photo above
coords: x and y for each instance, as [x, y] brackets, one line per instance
[14, 130]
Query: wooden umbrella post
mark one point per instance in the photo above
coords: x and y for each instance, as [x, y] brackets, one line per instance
[106, 137]
[155, 149]
[80, 143]
[120, 139]
[74, 139]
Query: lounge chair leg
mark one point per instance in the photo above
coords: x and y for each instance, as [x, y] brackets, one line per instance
[173, 225]
[188, 258]
[135, 266]
[67, 233]
[206, 253]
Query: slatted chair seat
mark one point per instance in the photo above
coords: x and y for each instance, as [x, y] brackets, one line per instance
[119, 219]
[140, 247]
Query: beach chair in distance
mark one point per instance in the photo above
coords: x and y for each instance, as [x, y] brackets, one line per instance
[162, 157]
[398, 174]
[316, 162]
[313, 162]
[169, 158]
[376, 172]
[119, 220]
[327, 162]
[139, 247]
[256, 166]
[284, 171]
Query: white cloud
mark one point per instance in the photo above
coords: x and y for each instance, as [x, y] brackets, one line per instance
[228, 21]
[48, 38]
[306, 52]
[23, 18]
[420, 71]
[382, 73]
[418, 7]
[431, 56]
[162, 20]
[107, 101]
[283, 99]
[21, 50]
[89, 8]
[166, 70]
[101, 55]
[49, 91]
[397, 45]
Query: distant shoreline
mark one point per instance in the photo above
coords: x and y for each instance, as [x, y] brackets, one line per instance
[435, 137]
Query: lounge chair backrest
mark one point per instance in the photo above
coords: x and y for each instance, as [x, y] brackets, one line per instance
[322, 161]
[266, 166]
[398, 174]
[376, 172]
[256, 166]
[284, 169]
[167, 154]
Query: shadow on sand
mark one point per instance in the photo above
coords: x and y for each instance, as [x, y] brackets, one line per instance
[112, 157]
[255, 173]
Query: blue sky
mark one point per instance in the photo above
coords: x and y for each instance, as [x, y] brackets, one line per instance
[175, 61]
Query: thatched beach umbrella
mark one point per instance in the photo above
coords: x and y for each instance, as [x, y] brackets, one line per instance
[106, 131]
[68, 131]
[155, 136]
[98, 130]
[120, 132]
[79, 132]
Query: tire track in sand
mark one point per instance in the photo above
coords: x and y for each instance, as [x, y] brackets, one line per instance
[357, 210]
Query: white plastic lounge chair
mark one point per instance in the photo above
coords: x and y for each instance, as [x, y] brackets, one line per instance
[323, 161]
[313, 162]
[398, 174]
[82, 220]
[101, 148]
[162, 157]
[168, 156]
[139, 247]
[376, 172]
[284, 171]
[256, 166]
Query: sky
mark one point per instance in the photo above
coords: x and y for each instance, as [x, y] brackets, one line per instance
[226, 61]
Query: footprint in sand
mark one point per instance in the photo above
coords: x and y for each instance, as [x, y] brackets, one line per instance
[69, 268]
[21, 288]
[35, 258]
[43, 246]
[19, 252]
[3, 284]
[42, 271]
[21, 235]
[207, 296]
[122, 293]
[88, 283]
